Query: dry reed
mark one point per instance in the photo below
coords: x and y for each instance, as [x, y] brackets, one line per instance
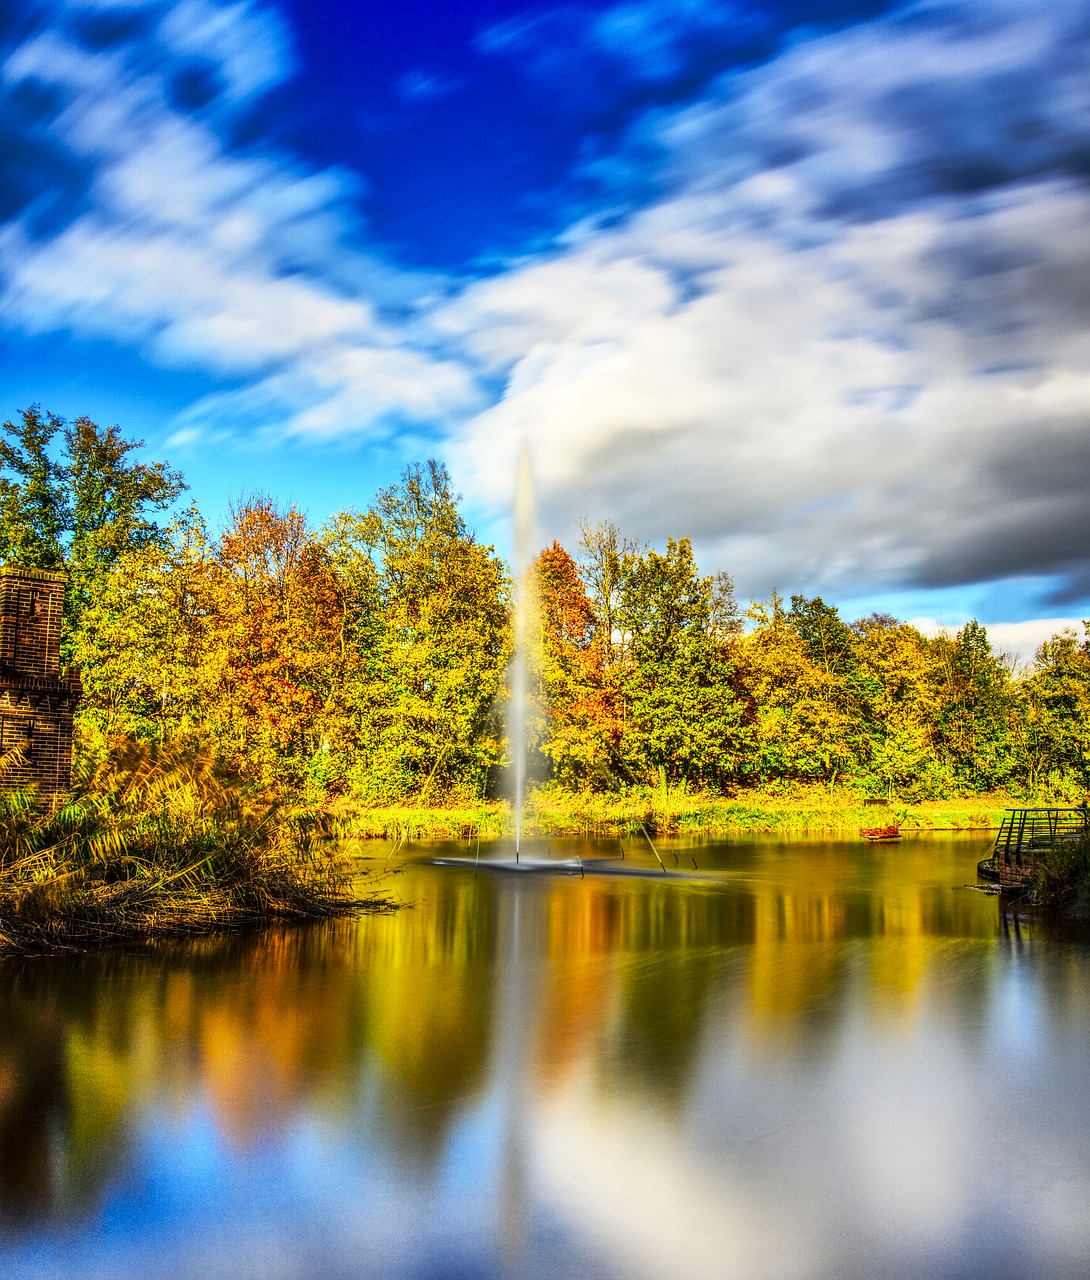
[159, 840]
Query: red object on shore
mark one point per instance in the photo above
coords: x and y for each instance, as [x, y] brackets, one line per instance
[892, 832]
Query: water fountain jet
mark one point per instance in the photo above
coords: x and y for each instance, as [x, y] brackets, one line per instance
[524, 664]
[525, 522]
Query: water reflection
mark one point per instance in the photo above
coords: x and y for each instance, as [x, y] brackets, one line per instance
[789, 1060]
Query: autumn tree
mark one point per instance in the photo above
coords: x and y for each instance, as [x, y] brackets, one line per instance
[370, 656]
[581, 732]
[275, 633]
[146, 651]
[235, 641]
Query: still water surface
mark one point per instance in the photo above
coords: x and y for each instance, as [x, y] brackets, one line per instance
[796, 1059]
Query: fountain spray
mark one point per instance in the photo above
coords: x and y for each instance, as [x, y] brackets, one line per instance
[525, 532]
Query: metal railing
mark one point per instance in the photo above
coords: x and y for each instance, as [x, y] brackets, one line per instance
[1025, 832]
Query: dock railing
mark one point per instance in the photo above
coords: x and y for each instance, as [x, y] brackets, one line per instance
[1026, 832]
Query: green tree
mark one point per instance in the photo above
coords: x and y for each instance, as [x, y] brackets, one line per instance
[901, 675]
[802, 727]
[1056, 717]
[606, 557]
[974, 724]
[433, 640]
[34, 508]
[72, 497]
[683, 718]
[149, 666]
[110, 495]
[827, 638]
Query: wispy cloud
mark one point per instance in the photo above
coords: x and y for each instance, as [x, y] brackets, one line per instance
[650, 41]
[427, 86]
[242, 261]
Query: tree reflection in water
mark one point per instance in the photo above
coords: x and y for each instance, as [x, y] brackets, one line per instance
[495, 1038]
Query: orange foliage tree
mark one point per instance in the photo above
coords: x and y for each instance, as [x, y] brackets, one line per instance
[580, 729]
[275, 631]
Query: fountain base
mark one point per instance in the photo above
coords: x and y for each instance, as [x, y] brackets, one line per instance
[525, 863]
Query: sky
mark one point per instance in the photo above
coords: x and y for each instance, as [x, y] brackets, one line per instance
[806, 282]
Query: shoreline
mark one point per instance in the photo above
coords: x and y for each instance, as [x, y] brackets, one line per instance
[50, 906]
[86, 927]
[68, 912]
[549, 813]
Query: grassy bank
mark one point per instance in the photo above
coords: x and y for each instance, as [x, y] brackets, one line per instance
[1061, 879]
[156, 842]
[551, 812]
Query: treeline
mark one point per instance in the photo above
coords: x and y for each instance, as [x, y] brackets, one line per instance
[368, 657]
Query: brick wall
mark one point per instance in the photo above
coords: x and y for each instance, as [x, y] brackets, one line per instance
[37, 700]
[1015, 866]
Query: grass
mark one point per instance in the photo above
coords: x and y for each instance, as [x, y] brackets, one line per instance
[157, 841]
[489, 820]
[1061, 878]
[553, 812]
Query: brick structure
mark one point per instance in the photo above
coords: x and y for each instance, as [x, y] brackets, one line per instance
[1015, 867]
[37, 699]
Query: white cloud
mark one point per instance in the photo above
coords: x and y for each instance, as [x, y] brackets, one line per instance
[649, 41]
[427, 86]
[819, 396]
[203, 303]
[336, 392]
[814, 353]
[1021, 639]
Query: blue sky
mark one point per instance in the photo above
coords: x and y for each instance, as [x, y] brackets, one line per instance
[809, 283]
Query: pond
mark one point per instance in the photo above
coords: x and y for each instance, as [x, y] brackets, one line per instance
[803, 1058]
